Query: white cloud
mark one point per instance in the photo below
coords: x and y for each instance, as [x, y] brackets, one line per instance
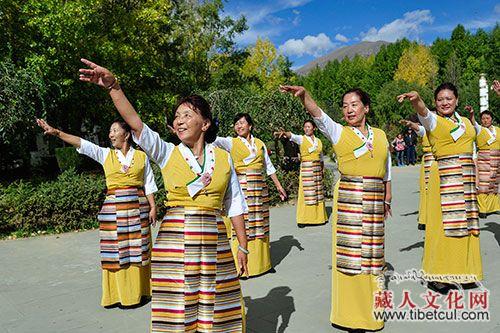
[310, 45]
[263, 23]
[341, 38]
[409, 26]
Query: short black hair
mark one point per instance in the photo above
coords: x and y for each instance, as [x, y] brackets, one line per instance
[247, 118]
[310, 122]
[446, 86]
[201, 106]
[363, 96]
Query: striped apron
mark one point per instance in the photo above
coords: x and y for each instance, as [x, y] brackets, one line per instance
[428, 158]
[488, 163]
[194, 279]
[124, 228]
[360, 225]
[458, 195]
[312, 181]
[256, 193]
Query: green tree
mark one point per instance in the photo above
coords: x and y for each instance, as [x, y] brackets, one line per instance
[417, 65]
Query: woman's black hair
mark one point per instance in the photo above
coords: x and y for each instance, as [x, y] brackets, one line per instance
[488, 113]
[126, 127]
[247, 118]
[201, 106]
[446, 86]
[363, 96]
[310, 122]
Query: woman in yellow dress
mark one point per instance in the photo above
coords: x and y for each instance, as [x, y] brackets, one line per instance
[310, 202]
[425, 167]
[362, 202]
[452, 250]
[125, 217]
[250, 159]
[488, 163]
[194, 279]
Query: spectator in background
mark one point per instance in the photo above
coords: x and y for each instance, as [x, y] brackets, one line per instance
[399, 146]
[410, 145]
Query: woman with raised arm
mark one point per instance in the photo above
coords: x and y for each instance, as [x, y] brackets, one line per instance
[310, 202]
[362, 202]
[194, 278]
[454, 226]
[126, 215]
[251, 160]
[488, 163]
[425, 167]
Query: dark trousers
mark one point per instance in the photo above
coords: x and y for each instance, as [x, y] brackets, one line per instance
[411, 155]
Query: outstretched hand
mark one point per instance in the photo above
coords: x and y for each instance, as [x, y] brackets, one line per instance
[279, 134]
[405, 122]
[297, 91]
[96, 74]
[47, 129]
[496, 86]
[411, 96]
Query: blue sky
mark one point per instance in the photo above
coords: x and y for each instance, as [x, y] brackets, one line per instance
[306, 29]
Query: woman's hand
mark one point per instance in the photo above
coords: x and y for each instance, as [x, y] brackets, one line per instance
[387, 210]
[242, 263]
[152, 216]
[282, 192]
[47, 129]
[405, 122]
[297, 91]
[412, 96]
[496, 87]
[97, 74]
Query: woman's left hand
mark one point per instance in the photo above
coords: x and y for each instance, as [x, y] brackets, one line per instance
[283, 195]
[242, 263]
[387, 210]
[152, 216]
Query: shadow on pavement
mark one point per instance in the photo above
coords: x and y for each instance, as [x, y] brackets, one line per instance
[412, 247]
[412, 213]
[329, 211]
[494, 228]
[263, 313]
[282, 247]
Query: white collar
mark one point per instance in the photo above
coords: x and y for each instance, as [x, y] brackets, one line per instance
[205, 170]
[125, 160]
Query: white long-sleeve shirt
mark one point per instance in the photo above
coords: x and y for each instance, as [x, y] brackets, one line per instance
[226, 143]
[298, 139]
[333, 131]
[160, 152]
[99, 154]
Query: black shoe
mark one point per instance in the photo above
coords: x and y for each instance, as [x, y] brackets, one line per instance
[300, 225]
[483, 215]
[421, 226]
[442, 288]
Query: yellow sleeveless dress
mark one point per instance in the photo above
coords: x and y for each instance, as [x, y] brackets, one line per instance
[488, 162]
[448, 255]
[127, 284]
[353, 294]
[311, 211]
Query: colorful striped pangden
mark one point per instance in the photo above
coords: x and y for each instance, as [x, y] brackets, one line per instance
[360, 225]
[428, 158]
[488, 163]
[124, 228]
[256, 194]
[458, 195]
[311, 173]
[194, 279]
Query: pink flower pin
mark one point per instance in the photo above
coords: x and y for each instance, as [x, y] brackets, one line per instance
[125, 168]
[206, 179]
[369, 145]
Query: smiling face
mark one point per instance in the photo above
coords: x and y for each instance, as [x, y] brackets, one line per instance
[308, 129]
[242, 127]
[446, 102]
[189, 125]
[354, 110]
[118, 136]
[486, 120]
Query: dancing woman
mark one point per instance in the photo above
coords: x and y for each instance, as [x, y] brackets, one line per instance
[488, 163]
[194, 279]
[362, 202]
[126, 215]
[250, 159]
[454, 227]
[310, 202]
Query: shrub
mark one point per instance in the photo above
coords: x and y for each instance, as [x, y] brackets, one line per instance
[67, 158]
[71, 202]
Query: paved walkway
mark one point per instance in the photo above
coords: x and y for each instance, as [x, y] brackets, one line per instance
[52, 284]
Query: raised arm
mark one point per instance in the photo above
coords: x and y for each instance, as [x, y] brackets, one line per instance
[49, 130]
[306, 99]
[103, 77]
[410, 124]
[416, 102]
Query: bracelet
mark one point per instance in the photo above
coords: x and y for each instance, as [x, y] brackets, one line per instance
[387, 203]
[112, 85]
[242, 249]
